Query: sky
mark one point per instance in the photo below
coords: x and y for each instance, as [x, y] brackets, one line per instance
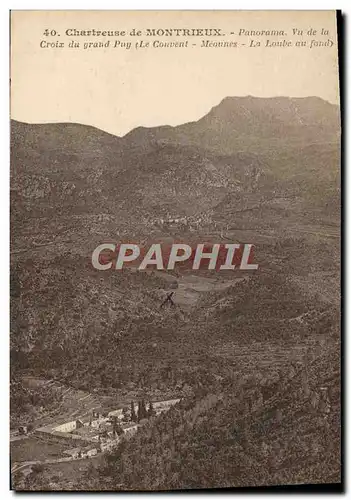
[118, 89]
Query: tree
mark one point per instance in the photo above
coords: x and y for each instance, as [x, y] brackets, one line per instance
[126, 415]
[142, 413]
[133, 416]
[119, 430]
[151, 411]
[114, 425]
[37, 468]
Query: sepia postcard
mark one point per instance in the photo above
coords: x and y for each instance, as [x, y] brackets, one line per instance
[175, 250]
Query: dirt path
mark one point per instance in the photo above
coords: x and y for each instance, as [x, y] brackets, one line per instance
[190, 288]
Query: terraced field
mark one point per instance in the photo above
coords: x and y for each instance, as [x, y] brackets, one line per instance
[270, 357]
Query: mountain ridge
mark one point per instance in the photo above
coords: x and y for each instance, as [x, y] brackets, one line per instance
[225, 100]
[233, 158]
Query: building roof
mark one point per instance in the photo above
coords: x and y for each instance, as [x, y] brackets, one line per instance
[71, 451]
[89, 448]
[168, 402]
[66, 435]
[129, 425]
[117, 411]
[86, 431]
